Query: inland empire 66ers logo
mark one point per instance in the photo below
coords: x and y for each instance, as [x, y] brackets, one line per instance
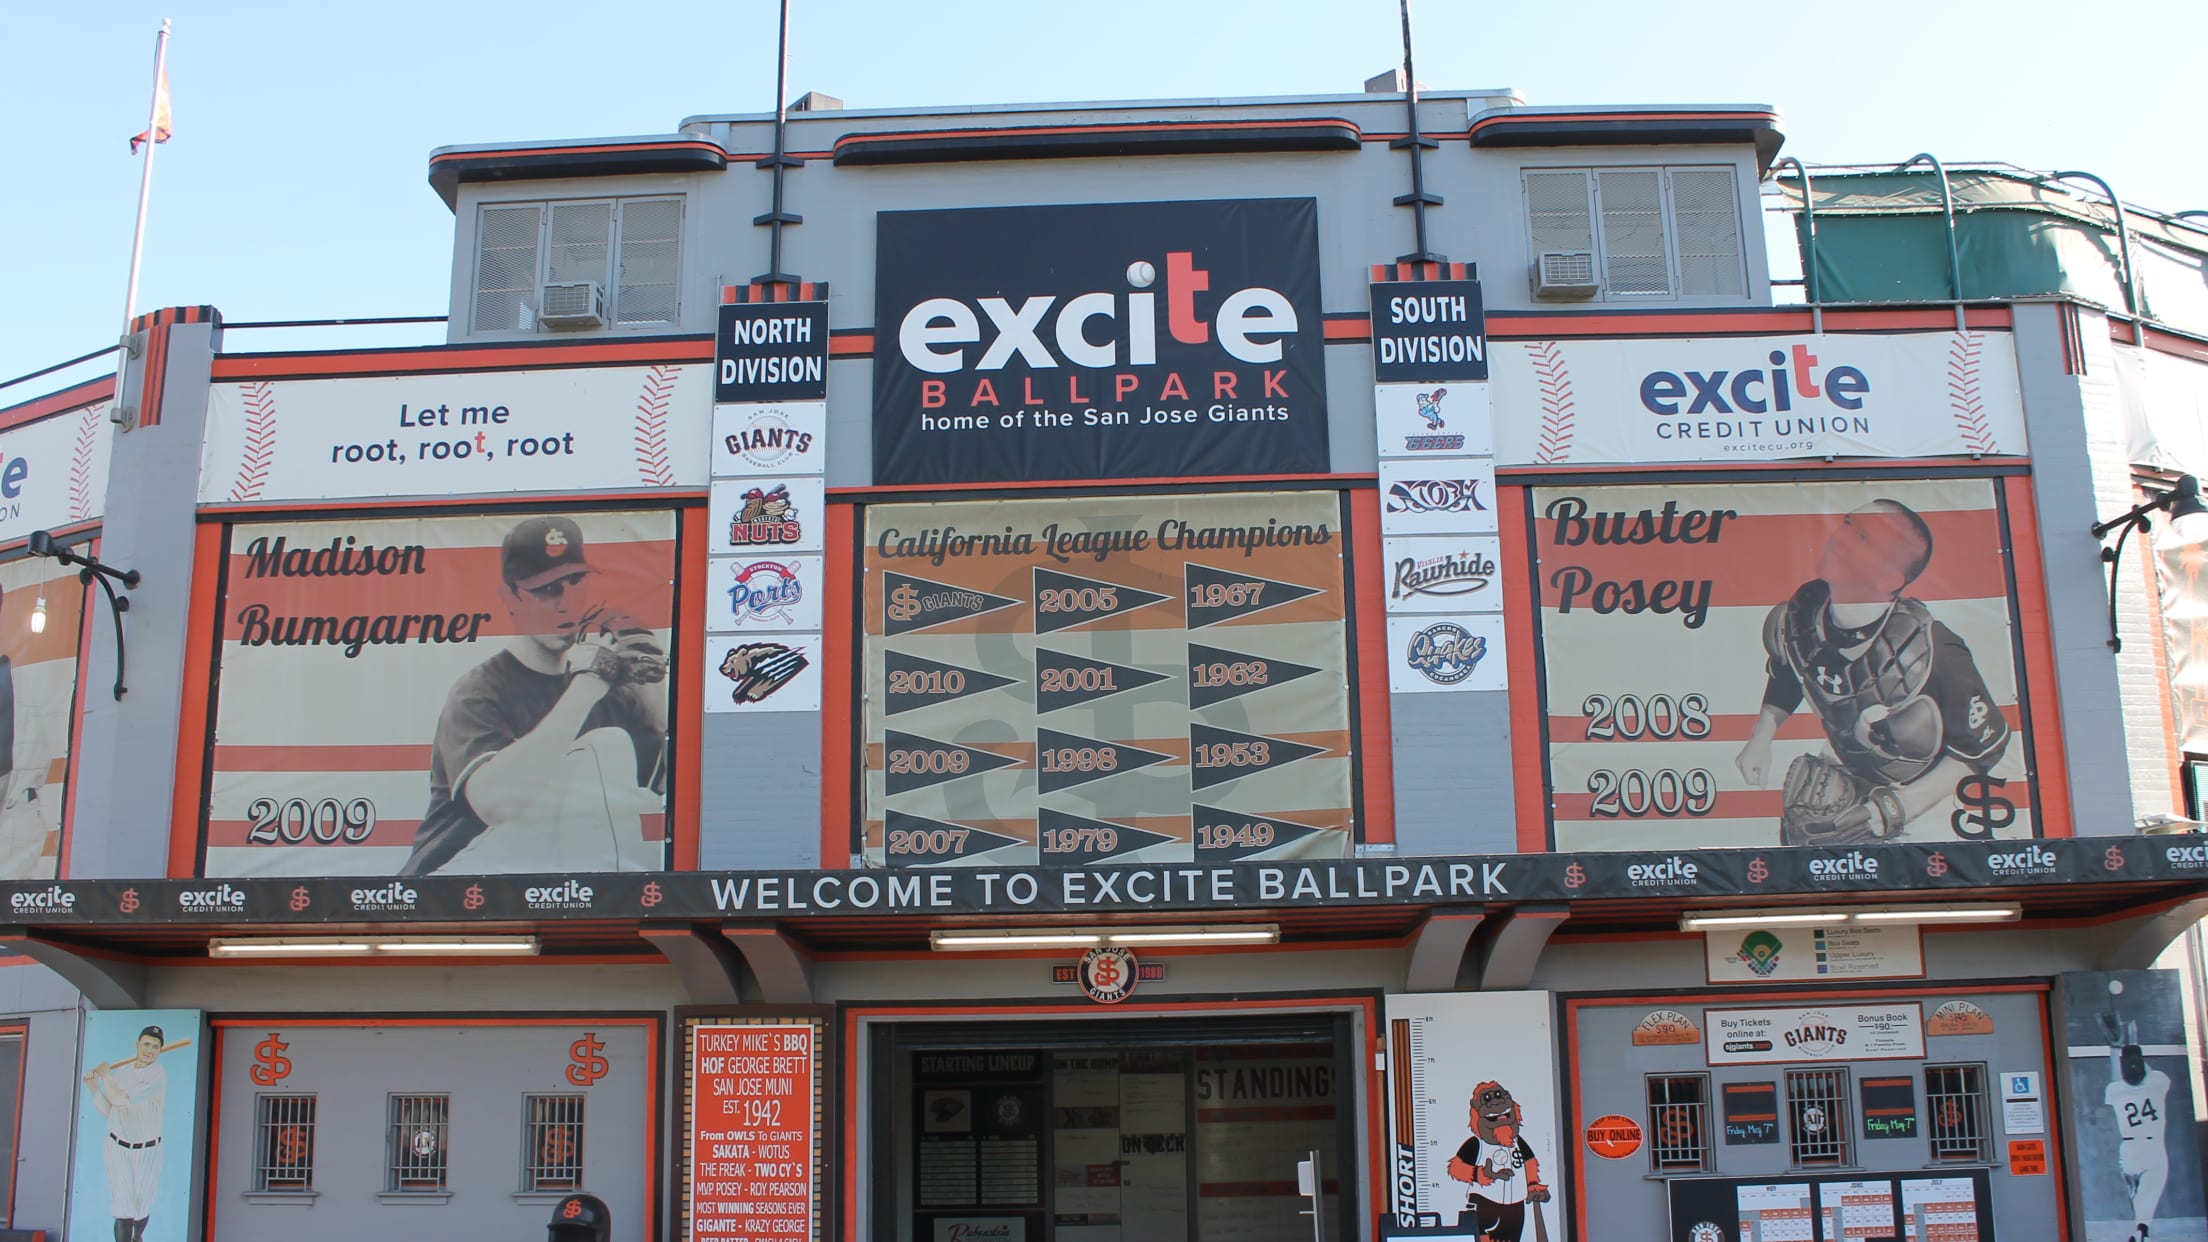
[1445, 653]
[764, 591]
[1107, 974]
[1429, 410]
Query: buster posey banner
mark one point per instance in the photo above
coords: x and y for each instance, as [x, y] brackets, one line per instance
[1099, 340]
[1779, 664]
[466, 695]
[1757, 398]
[456, 434]
[53, 472]
[1473, 1117]
[38, 694]
[1081, 679]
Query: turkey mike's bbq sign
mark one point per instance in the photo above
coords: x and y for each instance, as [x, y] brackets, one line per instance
[1115, 340]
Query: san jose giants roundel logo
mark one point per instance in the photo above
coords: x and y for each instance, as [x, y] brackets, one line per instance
[1108, 975]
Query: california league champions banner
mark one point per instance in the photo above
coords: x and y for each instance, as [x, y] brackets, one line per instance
[455, 695]
[1707, 645]
[1099, 340]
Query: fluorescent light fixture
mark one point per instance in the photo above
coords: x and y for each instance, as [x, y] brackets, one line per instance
[1982, 912]
[301, 946]
[1013, 938]
[1259, 933]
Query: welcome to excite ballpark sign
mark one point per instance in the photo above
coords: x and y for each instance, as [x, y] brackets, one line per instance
[1121, 340]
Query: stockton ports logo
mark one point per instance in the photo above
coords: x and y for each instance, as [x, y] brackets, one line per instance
[1432, 440]
[771, 440]
[1108, 974]
[388, 898]
[1435, 496]
[1445, 653]
[1459, 573]
[765, 518]
[764, 591]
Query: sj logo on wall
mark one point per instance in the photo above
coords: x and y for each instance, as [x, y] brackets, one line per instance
[1759, 398]
[137, 1121]
[456, 434]
[1113, 340]
[1472, 1113]
[1820, 664]
[456, 694]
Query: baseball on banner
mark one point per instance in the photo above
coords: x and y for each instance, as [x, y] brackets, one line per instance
[470, 695]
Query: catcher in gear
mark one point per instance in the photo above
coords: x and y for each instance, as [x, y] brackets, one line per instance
[760, 669]
[549, 754]
[1901, 700]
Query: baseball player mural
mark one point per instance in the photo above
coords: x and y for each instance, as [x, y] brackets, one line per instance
[138, 1098]
[479, 694]
[1883, 701]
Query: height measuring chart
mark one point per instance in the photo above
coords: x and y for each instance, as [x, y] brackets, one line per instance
[1099, 678]
[1458, 1062]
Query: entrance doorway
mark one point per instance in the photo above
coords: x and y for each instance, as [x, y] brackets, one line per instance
[1117, 1130]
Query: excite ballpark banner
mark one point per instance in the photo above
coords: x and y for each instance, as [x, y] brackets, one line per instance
[2160, 867]
[1664, 609]
[38, 692]
[457, 433]
[1758, 398]
[1073, 680]
[1099, 340]
[1472, 1113]
[374, 672]
[53, 472]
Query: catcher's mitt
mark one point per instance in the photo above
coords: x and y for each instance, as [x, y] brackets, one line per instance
[1825, 804]
[617, 649]
[760, 669]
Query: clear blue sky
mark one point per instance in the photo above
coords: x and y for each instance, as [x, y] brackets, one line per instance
[295, 187]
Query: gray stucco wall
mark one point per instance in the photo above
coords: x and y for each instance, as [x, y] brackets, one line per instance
[36, 997]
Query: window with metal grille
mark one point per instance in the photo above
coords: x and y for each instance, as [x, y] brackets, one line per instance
[417, 1142]
[1955, 1103]
[285, 1128]
[552, 1142]
[1817, 1115]
[1679, 1123]
[631, 249]
[1654, 232]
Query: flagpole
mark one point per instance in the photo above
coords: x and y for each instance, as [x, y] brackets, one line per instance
[145, 195]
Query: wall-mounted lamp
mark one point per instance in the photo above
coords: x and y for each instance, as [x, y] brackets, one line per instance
[2181, 501]
[90, 570]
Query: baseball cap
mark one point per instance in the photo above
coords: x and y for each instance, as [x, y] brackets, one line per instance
[155, 1032]
[540, 550]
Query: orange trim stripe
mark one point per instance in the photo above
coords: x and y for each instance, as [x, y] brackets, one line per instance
[1367, 594]
[1522, 656]
[74, 397]
[838, 690]
[188, 801]
[2042, 692]
[693, 528]
[433, 358]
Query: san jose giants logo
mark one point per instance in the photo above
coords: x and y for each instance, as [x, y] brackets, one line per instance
[1107, 974]
[770, 440]
[1444, 653]
[764, 591]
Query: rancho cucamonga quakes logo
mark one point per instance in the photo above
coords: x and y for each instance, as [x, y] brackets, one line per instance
[1444, 653]
[1107, 974]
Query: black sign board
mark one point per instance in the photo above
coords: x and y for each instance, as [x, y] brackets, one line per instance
[1428, 330]
[771, 351]
[1099, 340]
[1890, 1107]
[1751, 1113]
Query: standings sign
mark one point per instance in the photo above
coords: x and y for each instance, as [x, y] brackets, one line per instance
[1102, 340]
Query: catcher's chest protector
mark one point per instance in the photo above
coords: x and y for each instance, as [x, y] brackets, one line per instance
[1871, 696]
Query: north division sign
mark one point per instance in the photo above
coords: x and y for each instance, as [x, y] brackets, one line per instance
[1119, 340]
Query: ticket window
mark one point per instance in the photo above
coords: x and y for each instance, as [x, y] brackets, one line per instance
[1154, 1140]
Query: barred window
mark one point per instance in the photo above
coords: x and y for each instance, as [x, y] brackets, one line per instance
[1817, 1113]
[1679, 1123]
[631, 249]
[1955, 1100]
[552, 1142]
[1653, 232]
[417, 1143]
[284, 1125]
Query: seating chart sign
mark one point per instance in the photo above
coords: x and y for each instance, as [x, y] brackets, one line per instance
[1082, 679]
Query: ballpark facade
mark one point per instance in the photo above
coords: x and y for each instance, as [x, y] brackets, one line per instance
[1094, 672]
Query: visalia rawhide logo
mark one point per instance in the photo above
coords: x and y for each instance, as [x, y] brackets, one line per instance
[1098, 340]
[566, 895]
[389, 897]
[1459, 573]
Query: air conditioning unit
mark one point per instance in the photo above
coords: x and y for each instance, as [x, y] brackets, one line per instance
[1559, 274]
[578, 305]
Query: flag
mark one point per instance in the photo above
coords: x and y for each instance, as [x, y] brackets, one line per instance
[160, 130]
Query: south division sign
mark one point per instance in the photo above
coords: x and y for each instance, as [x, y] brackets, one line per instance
[1099, 340]
[1084, 680]
[1094, 888]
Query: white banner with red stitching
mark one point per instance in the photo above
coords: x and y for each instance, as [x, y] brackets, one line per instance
[1756, 398]
[53, 472]
[467, 433]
